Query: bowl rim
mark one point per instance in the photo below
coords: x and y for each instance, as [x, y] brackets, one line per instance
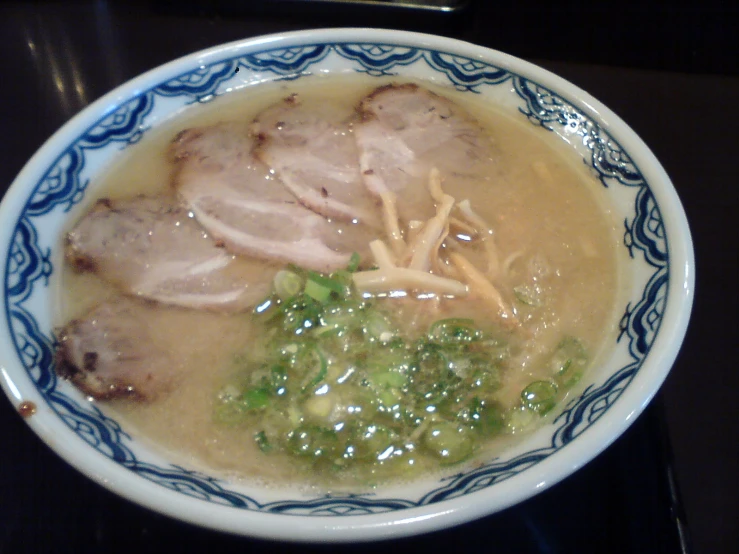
[414, 520]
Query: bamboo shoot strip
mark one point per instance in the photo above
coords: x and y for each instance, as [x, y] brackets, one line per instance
[484, 288]
[391, 278]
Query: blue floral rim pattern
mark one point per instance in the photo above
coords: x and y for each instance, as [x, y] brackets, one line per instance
[29, 266]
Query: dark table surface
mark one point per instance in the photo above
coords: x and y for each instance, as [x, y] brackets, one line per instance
[669, 73]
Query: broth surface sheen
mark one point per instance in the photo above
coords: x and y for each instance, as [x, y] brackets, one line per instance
[555, 237]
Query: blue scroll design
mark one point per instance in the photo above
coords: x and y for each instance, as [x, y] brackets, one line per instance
[646, 232]
[380, 59]
[62, 185]
[125, 124]
[464, 73]
[199, 85]
[286, 63]
[29, 265]
[27, 261]
[341, 505]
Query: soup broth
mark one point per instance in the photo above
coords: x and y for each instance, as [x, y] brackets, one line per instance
[555, 240]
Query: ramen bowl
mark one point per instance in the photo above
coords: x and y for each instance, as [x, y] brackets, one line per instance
[656, 248]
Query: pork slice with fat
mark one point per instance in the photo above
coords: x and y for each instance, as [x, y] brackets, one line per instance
[309, 145]
[108, 353]
[405, 131]
[241, 203]
[153, 248]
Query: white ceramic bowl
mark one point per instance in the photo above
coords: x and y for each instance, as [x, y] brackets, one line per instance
[656, 311]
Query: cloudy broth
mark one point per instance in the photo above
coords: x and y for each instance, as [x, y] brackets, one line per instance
[553, 233]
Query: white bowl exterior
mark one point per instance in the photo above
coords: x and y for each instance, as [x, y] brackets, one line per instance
[19, 386]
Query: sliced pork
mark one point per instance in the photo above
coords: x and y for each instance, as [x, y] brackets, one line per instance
[241, 203]
[153, 248]
[311, 149]
[405, 131]
[108, 353]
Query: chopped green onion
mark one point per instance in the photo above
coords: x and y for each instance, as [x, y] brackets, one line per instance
[299, 313]
[449, 441]
[454, 331]
[388, 379]
[540, 396]
[369, 441]
[302, 273]
[344, 278]
[278, 378]
[256, 399]
[378, 327]
[340, 387]
[318, 365]
[432, 376]
[317, 291]
[262, 442]
[569, 361]
[320, 288]
[353, 263]
[337, 323]
[388, 358]
[334, 285]
[520, 419]
[486, 416]
[389, 397]
[287, 284]
[312, 440]
[484, 374]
